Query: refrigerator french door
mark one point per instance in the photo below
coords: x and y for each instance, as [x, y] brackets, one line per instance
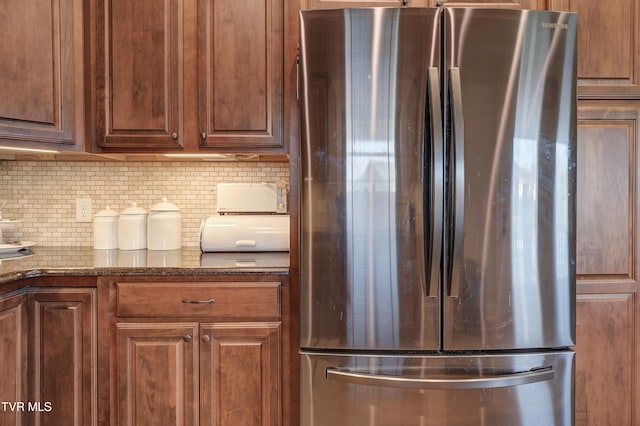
[438, 211]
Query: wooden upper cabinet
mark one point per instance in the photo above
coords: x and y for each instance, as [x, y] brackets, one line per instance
[608, 46]
[42, 74]
[182, 76]
[144, 102]
[240, 56]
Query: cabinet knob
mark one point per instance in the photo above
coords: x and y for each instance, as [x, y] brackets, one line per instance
[187, 338]
[174, 136]
[203, 136]
[206, 338]
[406, 2]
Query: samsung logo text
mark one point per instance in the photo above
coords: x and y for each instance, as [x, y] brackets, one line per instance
[555, 25]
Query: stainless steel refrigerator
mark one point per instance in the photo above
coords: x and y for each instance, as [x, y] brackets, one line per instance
[438, 216]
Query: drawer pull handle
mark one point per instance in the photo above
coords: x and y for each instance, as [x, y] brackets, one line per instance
[187, 338]
[199, 301]
[206, 338]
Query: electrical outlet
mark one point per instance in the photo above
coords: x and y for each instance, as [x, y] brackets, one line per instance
[83, 210]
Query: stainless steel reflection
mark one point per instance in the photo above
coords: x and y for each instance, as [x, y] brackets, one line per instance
[363, 254]
[438, 216]
[373, 173]
[524, 389]
[512, 265]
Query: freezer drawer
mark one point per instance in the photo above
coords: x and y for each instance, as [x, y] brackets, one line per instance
[381, 390]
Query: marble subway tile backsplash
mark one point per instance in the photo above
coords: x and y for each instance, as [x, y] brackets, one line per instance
[43, 193]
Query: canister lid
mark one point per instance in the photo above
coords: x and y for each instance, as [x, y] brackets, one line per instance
[133, 210]
[164, 206]
[108, 212]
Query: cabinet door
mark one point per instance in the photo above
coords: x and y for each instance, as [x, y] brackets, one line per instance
[13, 353]
[240, 56]
[62, 356]
[605, 359]
[608, 46]
[156, 374]
[41, 74]
[607, 170]
[239, 374]
[144, 71]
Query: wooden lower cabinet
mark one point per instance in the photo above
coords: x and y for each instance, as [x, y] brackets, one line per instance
[240, 374]
[163, 369]
[605, 359]
[48, 357]
[62, 356]
[201, 352]
[13, 356]
[156, 374]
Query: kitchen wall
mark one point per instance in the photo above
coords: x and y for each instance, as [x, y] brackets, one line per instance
[43, 193]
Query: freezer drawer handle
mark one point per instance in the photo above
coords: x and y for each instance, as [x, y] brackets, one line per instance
[479, 382]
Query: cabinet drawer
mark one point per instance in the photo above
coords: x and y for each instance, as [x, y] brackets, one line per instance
[179, 299]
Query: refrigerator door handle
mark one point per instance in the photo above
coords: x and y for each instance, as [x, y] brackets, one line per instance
[437, 179]
[457, 132]
[440, 382]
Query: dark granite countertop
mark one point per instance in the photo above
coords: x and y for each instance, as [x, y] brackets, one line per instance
[85, 261]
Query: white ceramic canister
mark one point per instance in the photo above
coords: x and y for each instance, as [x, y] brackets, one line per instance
[164, 227]
[105, 229]
[132, 228]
